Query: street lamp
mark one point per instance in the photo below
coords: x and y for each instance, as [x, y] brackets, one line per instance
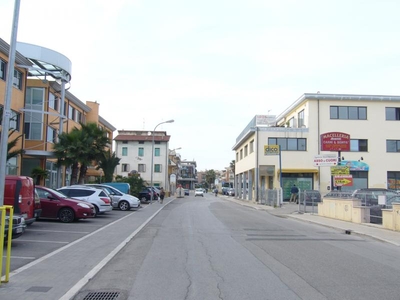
[152, 157]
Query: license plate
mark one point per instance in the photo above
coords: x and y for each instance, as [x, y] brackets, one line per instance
[19, 230]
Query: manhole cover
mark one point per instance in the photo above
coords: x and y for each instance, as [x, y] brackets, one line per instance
[102, 296]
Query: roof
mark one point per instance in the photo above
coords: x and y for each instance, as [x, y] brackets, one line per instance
[142, 138]
[19, 58]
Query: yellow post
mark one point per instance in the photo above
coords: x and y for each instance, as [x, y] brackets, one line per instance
[3, 211]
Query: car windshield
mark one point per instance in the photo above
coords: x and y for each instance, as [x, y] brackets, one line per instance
[44, 193]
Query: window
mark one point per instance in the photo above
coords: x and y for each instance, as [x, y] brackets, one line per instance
[141, 142]
[14, 120]
[53, 101]
[51, 134]
[252, 146]
[34, 100]
[141, 152]
[393, 180]
[65, 108]
[156, 151]
[71, 112]
[2, 69]
[392, 145]
[78, 117]
[246, 149]
[359, 145]
[348, 112]
[17, 80]
[237, 156]
[290, 123]
[241, 153]
[392, 113]
[289, 144]
[124, 151]
[300, 119]
[124, 142]
[141, 168]
[157, 168]
[125, 167]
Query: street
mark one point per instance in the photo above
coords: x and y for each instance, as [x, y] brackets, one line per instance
[209, 248]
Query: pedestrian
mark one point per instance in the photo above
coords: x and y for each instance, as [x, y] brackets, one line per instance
[162, 195]
[294, 192]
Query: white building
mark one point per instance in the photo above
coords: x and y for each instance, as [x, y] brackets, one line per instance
[134, 148]
[371, 121]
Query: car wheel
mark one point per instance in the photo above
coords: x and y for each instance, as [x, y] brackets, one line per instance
[124, 205]
[143, 200]
[66, 215]
[97, 210]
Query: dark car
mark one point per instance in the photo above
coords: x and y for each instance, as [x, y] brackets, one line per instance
[145, 195]
[18, 227]
[187, 192]
[56, 205]
[309, 197]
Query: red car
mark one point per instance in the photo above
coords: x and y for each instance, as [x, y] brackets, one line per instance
[57, 206]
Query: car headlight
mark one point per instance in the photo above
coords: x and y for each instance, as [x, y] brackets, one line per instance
[83, 205]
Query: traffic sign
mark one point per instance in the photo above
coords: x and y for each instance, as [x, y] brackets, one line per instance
[340, 170]
[326, 160]
[271, 150]
[343, 180]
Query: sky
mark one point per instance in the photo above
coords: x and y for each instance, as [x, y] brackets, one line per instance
[212, 65]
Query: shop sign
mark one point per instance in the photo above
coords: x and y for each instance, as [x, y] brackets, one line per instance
[343, 180]
[335, 141]
[326, 160]
[340, 170]
[271, 150]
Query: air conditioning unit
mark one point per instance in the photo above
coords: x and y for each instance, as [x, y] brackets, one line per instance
[16, 82]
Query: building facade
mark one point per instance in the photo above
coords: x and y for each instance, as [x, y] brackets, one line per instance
[39, 105]
[370, 121]
[134, 147]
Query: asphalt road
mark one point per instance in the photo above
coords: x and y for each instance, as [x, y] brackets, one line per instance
[207, 248]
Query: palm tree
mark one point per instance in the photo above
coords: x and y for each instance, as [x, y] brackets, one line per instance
[95, 141]
[11, 144]
[108, 164]
[232, 166]
[210, 177]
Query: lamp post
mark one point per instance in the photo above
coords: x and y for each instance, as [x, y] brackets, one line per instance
[152, 157]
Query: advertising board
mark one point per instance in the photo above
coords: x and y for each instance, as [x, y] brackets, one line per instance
[271, 150]
[335, 141]
[326, 160]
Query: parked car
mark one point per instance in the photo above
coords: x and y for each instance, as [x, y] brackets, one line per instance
[231, 192]
[19, 192]
[123, 187]
[311, 197]
[187, 192]
[198, 192]
[56, 205]
[98, 197]
[119, 199]
[18, 226]
[145, 195]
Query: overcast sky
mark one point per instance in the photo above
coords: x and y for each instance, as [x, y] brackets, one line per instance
[212, 65]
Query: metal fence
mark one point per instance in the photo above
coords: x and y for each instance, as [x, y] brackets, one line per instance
[272, 198]
[308, 201]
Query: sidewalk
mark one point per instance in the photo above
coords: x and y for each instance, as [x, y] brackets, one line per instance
[289, 210]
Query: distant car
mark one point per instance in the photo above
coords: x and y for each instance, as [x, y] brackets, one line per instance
[145, 195]
[119, 199]
[187, 193]
[56, 205]
[198, 192]
[231, 192]
[18, 227]
[98, 197]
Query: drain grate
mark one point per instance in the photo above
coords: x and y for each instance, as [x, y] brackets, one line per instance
[102, 296]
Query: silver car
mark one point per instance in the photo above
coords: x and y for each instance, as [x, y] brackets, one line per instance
[119, 199]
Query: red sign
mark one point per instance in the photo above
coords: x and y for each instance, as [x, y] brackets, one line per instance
[343, 180]
[335, 141]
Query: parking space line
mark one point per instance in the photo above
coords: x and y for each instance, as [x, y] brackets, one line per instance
[21, 257]
[36, 241]
[59, 231]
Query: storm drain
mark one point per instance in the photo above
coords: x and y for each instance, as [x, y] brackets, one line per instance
[102, 296]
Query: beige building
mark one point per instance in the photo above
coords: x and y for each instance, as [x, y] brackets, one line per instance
[372, 123]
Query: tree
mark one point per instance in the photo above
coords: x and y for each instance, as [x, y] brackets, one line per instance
[210, 177]
[79, 148]
[232, 166]
[38, 173]
[136, 182]
[11, 144]
[108, 164]
[95, 141]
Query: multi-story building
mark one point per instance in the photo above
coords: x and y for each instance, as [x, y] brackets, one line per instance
[188, 176]
[368, 124]
[38, 104]
[134, 147]
[174, 169]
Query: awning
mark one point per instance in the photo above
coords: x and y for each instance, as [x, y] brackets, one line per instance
[298, 171]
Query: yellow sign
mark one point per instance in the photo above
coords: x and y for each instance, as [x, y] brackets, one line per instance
[343, 180]
[271, 149]
[340, 170]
